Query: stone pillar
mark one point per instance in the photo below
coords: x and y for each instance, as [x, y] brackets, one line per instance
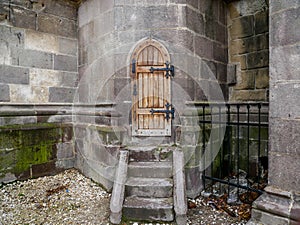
[281, 202]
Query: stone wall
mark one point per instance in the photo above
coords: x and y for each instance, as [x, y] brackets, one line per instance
[248, 33]
[38, 44]
[35, 140]
[281, 202]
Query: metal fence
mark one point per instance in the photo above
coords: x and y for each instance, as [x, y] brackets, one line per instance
[240, 166]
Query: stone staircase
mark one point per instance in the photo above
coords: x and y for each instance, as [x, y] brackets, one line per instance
[147, 192]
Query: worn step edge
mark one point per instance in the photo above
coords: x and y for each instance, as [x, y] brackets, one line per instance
[150, 169]
[149, 187]
[148, 209]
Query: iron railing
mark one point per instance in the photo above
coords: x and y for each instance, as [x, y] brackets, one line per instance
[241, 162]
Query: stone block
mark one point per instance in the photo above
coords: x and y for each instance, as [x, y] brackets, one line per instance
[14, 75]
[222, 72]
[31, 58]
[222, 13]
[219, 53]
[24, 18]
[284, 169]
[258, 59]
[287, 93]
[65, 150]
[57, 94]
[283, 135]
[295, 211]
[221, 34]
[248, 95]
[284, 63]
[261, 217]
[65, 63]
[56, 25]
[106, 5]
[285, 27]
[66, 9]
[193, 3]
[242, 27]
[194, 21]
[40, 41]
[262, 78]
[251, 44]
[283, 4]
[246, 80]
[12, 36]
[25, 93]
[203, 47]
[4, 93]
[240, 59]
[231, 74]
[261, 20]
[104, 24]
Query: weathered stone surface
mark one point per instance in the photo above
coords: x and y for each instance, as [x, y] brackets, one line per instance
[258, 59]
[261, 20]
[31, 58]
[284, 134]
[251, 44]
[203, 47]
[279, 94]
[285, 27]
[56, 25]
[242, 27]
[222, 72]
[283, 4]
[61, 8]
[284, 169]
[241, 59]
[24, 18]
[249, 95]
[246, 80]
[284, 63]
[25, 93]
[12, 36]
[260, 217]
[194, 21]
[68, 46]
[4, 93]
[262, 79]
[220, 53]
[14, 75]
[231, 73]
[57, 94]
[65, 150]
[65, 63]
[40, 41]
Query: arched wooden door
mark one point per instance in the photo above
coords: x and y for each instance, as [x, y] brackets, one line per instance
[151, 90]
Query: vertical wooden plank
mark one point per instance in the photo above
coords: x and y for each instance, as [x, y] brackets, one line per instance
[155, 91]
[161, 89]
[140, 90]
[140, 121]
[151, 121]
[144, 57]
[156, 121]
[151, 90]
[162, 121]
[150, 58]
[145, 90]
[146, 121]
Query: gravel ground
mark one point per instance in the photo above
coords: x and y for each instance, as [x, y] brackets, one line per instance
[71, 198]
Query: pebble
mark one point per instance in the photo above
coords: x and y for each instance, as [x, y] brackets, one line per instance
[71, 198]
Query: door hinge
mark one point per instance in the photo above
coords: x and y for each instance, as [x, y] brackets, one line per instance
[134, 90]
[170, 70]
[167, 111]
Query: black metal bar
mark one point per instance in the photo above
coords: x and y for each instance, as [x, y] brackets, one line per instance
[229, 147]
[133, 66]
[235, 123]
[169, 69]
[248, 145]
[232, 184]
[259, 142]
[238, 147]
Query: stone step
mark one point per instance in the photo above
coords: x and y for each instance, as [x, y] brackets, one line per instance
[150, 169]
[148, 209]
[149, 187]
[150, 153]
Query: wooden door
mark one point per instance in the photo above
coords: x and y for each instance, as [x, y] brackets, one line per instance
[150, 90]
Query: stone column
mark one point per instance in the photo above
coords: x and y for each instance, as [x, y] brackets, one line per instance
[281, 202]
